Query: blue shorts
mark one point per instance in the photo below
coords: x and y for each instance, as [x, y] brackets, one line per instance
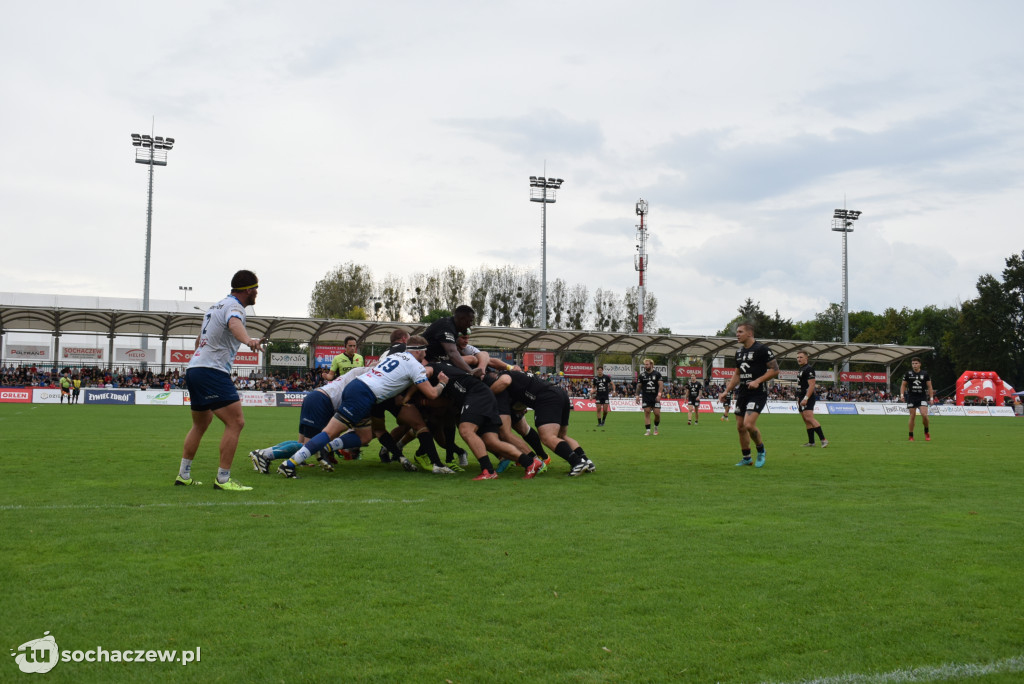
[356, 403]
[209, 389]
[317, 410]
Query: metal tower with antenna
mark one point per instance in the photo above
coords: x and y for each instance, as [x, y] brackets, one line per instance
[640, 261]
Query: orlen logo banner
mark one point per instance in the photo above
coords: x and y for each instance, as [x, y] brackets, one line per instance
[247, 358]
[82, 353]
[181, 355]
[722, 373]
[690, 372]
[15, 396]
[134, 355]
[578, 370]
[862, 377]
[109, 396]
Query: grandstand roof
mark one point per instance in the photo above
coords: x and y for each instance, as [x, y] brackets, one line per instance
[63, 320]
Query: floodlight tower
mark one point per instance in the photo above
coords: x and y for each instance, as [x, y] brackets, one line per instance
[152, 151]
[640, 261]
[842, 222]
[543, 190]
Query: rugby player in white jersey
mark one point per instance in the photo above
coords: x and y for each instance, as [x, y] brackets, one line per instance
[389, 378]
[208, 379]
[317, 408]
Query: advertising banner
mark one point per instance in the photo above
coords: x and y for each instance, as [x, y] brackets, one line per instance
[108, 396]
[291, 360]
[290, 398]
[181, 355]
[782, 407]
[258, 398]
[946, 411]
[28, 352]
[16, 396]
[91, 353]
[45, 395]
[134, 355]
[535, 359]
[578, 370]
[844, 409]
[324, 354]
[690, 372]
[976, 410]
[896, 409]
[618, 370]
[722, 373]
[247, 358]
[1004, 411]
[871, 409]
[862, 377]
[159, 398]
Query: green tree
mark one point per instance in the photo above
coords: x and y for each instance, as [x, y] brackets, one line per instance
[773, 327]
[435, 315]
[990, 329]
[340, 291]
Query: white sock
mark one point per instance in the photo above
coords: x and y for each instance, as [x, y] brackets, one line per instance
[185, 471]
[300, 456]
[223, 475]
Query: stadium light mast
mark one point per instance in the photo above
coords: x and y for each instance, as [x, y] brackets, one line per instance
[543, 190]
[640, 261]
[842, 222]
[186, 289]
[152, 151]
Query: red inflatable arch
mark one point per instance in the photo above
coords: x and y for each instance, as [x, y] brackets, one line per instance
[985, 386]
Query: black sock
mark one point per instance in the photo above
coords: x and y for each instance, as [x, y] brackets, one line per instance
[579, 452]
[533, 439]
[563, 450]
[821, 433]
[647, 426]
[926, 429]
[389, 443]
[427, 444]
[657, 422]
[911, 433]
[525, 460]
[485, 464]
[449, 443]
[746, 454]
[810, 435]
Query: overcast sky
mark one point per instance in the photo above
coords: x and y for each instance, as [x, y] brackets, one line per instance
[401, 135]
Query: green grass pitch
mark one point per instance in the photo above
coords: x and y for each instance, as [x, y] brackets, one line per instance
[872, 556]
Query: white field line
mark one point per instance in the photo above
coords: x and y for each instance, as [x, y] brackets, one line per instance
[938, 673]
[200, 504]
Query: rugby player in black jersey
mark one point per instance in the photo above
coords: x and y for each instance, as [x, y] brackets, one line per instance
[917, 391]
[551, 410]
[649, 386]
[694, 389]
[807, 399]
[755, 366]
[603, 387]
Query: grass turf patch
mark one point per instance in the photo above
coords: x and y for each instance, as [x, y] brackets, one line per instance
[668, 563]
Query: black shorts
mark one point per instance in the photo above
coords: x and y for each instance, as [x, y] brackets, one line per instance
[504, 403]
[809, 406]
[750, 403]
[552, 406]
[601, 398]
[650, 401]
[386, 406]
[916, 402]
[694, 402]
[480, 407]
